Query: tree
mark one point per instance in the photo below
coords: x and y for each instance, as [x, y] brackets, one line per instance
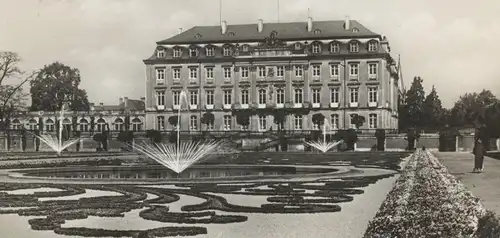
[173, 120]
[279, 117]
[357, 120]
[466, 110]
[243, 117]
[414, 101]
[207, 118]
[318, 119]
[55, 84]
[433, 111]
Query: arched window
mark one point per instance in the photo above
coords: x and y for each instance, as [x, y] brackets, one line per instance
[67, 124]
[119, 124]
[136, 124]
[84, 125]
[15, 124]
[49, 125]
[32, 124]
[101, 125]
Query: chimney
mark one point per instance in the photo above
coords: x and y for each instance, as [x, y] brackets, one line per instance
[260, 25]
[125, 101]
[223, 26]
[309, 24]
[120, 101]
[384, 43]
[347, 23]
[180, 30]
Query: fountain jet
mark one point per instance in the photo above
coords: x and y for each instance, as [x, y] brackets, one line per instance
[54, 142]
[324, 146]
[180, 156]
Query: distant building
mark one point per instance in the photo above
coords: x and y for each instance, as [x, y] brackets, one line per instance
[98, 118]
[336, 68]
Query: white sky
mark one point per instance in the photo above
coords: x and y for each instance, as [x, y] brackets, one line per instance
[452, 44]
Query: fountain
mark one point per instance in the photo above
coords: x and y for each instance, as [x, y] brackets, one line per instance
[56, 142]
[324, 146]
[180, 156]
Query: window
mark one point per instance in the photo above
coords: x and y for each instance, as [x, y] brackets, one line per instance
[262, 123]
[262, 96]
[227, 122]
[193, 123]
[280, 71]
[49, 124]
[193, 73]
[372, 69]
[227, 73]
[262, 72]
[84, 125]
[335, 121]
[316, 48]
[334, 48]
[32, 125]
[177, 52]
[160, 98]
[119, 124]
[226, 51]
[316, 95]
[372, 121]
[160, 74]
[372, 94]
[160, 53]
[334, 95]
[160, 123]
[298, 46]
[354, 47]
[298, 71]
[244, 48]
[244, 96]
[316, 70]
[372, 46]
[353, 69]
[297, 122]
[244, 72]
[101, 125]
[280, 96]
[334, 70]
[136, 124]
[193, 52]
[227, 97]
[210, 97]
[209, 72]
[176, 97]
[15, 125]
[209, 51]
[298, 95]
[176, 73]
[193, 97]
[353, 95]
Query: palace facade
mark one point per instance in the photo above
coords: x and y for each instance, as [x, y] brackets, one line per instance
[127, 113]
[335, 68]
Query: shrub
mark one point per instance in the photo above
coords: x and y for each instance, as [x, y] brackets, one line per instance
[154, 135]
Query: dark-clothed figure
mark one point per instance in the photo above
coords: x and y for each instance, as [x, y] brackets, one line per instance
[479, 150]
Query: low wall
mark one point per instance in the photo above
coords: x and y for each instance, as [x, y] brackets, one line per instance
[365, 143]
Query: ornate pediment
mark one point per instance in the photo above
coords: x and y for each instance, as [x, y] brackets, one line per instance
[272, 41]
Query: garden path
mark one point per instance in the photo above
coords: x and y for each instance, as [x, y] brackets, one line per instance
[483, 185]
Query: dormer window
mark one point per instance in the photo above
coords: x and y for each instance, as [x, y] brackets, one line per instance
[226, 51]
[193, 52]
[209, 51]
[231, 34]
[160, 53]
[355, 30]
[244, 48]
[372, 46]
[317, 31]
[177, 52]
[316, 48]
[353, 47]
[198, 36]
[335, 47]
[297, 46]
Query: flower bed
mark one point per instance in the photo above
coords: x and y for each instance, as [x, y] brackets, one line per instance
[426, 201]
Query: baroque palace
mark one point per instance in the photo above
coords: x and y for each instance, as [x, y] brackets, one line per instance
[335, 68]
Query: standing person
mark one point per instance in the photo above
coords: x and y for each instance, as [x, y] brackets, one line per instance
[479, 150]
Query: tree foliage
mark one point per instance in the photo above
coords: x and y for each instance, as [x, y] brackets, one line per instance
[469, 106]
[414, 101]
[357, 120]
[318, 119]
[55, 84]
[434, 115]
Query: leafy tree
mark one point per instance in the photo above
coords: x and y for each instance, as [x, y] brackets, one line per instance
[466, 110]
[173, 120]
[243, 117]
[207, 118]
[357, 120]
[154, 135]
[279, 117]
[318, 119]
[414, 101]
[55, 84]
[433, 111]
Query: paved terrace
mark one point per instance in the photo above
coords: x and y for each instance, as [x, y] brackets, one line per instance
[484, 185]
